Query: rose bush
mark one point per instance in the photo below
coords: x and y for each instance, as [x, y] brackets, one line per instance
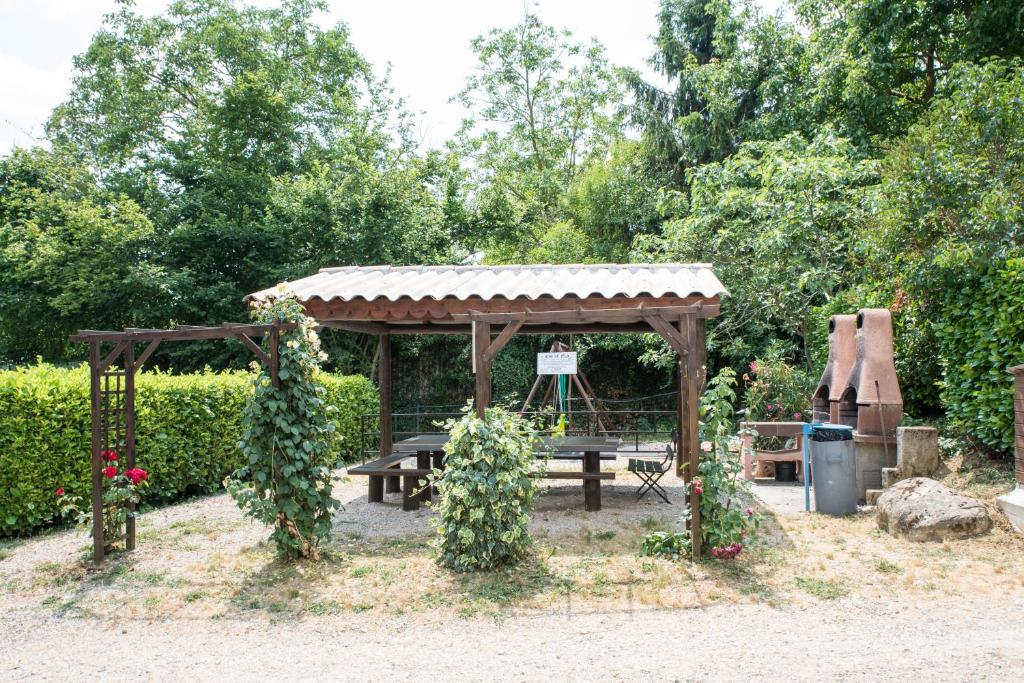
[121, 493]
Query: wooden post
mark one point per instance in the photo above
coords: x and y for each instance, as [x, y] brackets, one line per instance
[129, 434]
[97, 463]
[481, 366]
[592, 487]
[393, 484]
[375, 489]
[692, 329]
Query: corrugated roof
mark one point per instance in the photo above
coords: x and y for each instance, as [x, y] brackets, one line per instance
[510, 282]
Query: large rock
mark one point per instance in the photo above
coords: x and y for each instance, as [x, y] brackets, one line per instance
[924, 510]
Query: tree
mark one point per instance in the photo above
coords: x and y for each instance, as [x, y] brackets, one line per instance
[541, 105]
[779, 222]
[878, 63]
[72, 256]
[733, 74]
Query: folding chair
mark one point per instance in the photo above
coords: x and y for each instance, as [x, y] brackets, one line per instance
[650, 471]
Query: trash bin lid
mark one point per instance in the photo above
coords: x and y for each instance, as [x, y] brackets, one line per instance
[831, 432]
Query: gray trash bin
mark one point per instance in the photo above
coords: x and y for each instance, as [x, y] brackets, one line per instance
[834, 469]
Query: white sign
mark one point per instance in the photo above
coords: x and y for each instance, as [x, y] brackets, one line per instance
[561, 363]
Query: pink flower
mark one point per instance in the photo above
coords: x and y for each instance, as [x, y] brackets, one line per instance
[60, 491]
[706, 446]
[749, 511]
[753, 367]
[697, 486]
[797, 416]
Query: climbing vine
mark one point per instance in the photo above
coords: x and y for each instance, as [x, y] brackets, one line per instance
[286, 481]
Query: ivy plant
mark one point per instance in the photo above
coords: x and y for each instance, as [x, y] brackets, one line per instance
[485, 491]
[286, 481]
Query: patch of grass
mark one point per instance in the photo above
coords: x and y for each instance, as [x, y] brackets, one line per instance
[887, 567]
[51, 601]
[361, 571]
[194, 596]
[606, 535]
[824, 589]
[361, 607]
[322, 607]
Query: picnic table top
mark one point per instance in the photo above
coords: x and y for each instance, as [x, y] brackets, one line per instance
[563, 444]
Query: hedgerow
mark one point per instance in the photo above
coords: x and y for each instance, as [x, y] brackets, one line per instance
[188, 433]
[981, 333]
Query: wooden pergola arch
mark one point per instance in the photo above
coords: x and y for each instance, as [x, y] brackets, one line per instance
[112, 392]
[491, 304]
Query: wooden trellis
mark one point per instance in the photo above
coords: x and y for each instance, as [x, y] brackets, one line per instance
[112, 393]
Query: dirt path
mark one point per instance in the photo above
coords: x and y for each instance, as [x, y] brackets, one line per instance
[838, 641]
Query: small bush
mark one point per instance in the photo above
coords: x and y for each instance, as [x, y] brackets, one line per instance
[188, 431]
[485, 491]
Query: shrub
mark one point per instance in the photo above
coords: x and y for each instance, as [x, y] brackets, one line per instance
[286, 480]
[776, 391]
[485, 491]
[981, 333]
[188, 431]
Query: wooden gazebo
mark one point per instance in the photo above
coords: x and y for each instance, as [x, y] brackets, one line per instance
[491, 304]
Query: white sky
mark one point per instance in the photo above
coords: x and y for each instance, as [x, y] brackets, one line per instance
[426, 43]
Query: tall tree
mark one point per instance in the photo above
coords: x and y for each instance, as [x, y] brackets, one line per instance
[541, 105]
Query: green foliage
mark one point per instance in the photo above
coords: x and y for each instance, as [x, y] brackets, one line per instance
[777, 220]
[670, 544]
[72, 255]
[541, 105]
[485, 491]
[286, 480]
[724, 523]
[777, 391]
[188, 431]
[980, 334]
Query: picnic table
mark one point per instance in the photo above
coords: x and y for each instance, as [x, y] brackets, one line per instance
[429, 452]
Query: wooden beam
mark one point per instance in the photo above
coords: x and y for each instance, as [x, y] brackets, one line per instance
[255, 348]
[146, 353]
[499, 343]
[97, 463]
[585, 315]
[181, 333]
[411, 311]
[111, 357]
[360, 326]
[129, 435]
[482, 366]
[275, 357]
[386, 438]
[669, 334]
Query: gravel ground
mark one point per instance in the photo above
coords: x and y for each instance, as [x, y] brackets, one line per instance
[950, 613]
[840, 641]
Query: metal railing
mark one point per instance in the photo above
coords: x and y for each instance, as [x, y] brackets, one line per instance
[632, 426]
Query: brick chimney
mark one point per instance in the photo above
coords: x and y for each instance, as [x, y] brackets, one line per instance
[842, 352]
[871, 401]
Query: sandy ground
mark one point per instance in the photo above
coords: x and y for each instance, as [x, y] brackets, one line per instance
[815, 599]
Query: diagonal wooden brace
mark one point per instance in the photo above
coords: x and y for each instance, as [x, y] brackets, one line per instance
[669, 334]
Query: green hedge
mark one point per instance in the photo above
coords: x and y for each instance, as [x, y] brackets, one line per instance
[188, 433]
[981, 333]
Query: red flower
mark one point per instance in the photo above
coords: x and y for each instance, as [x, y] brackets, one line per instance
[110, 472]
[136, 474]
[60, 491]
[112, 456]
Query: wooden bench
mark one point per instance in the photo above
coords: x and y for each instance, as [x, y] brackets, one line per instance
[389, 468]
